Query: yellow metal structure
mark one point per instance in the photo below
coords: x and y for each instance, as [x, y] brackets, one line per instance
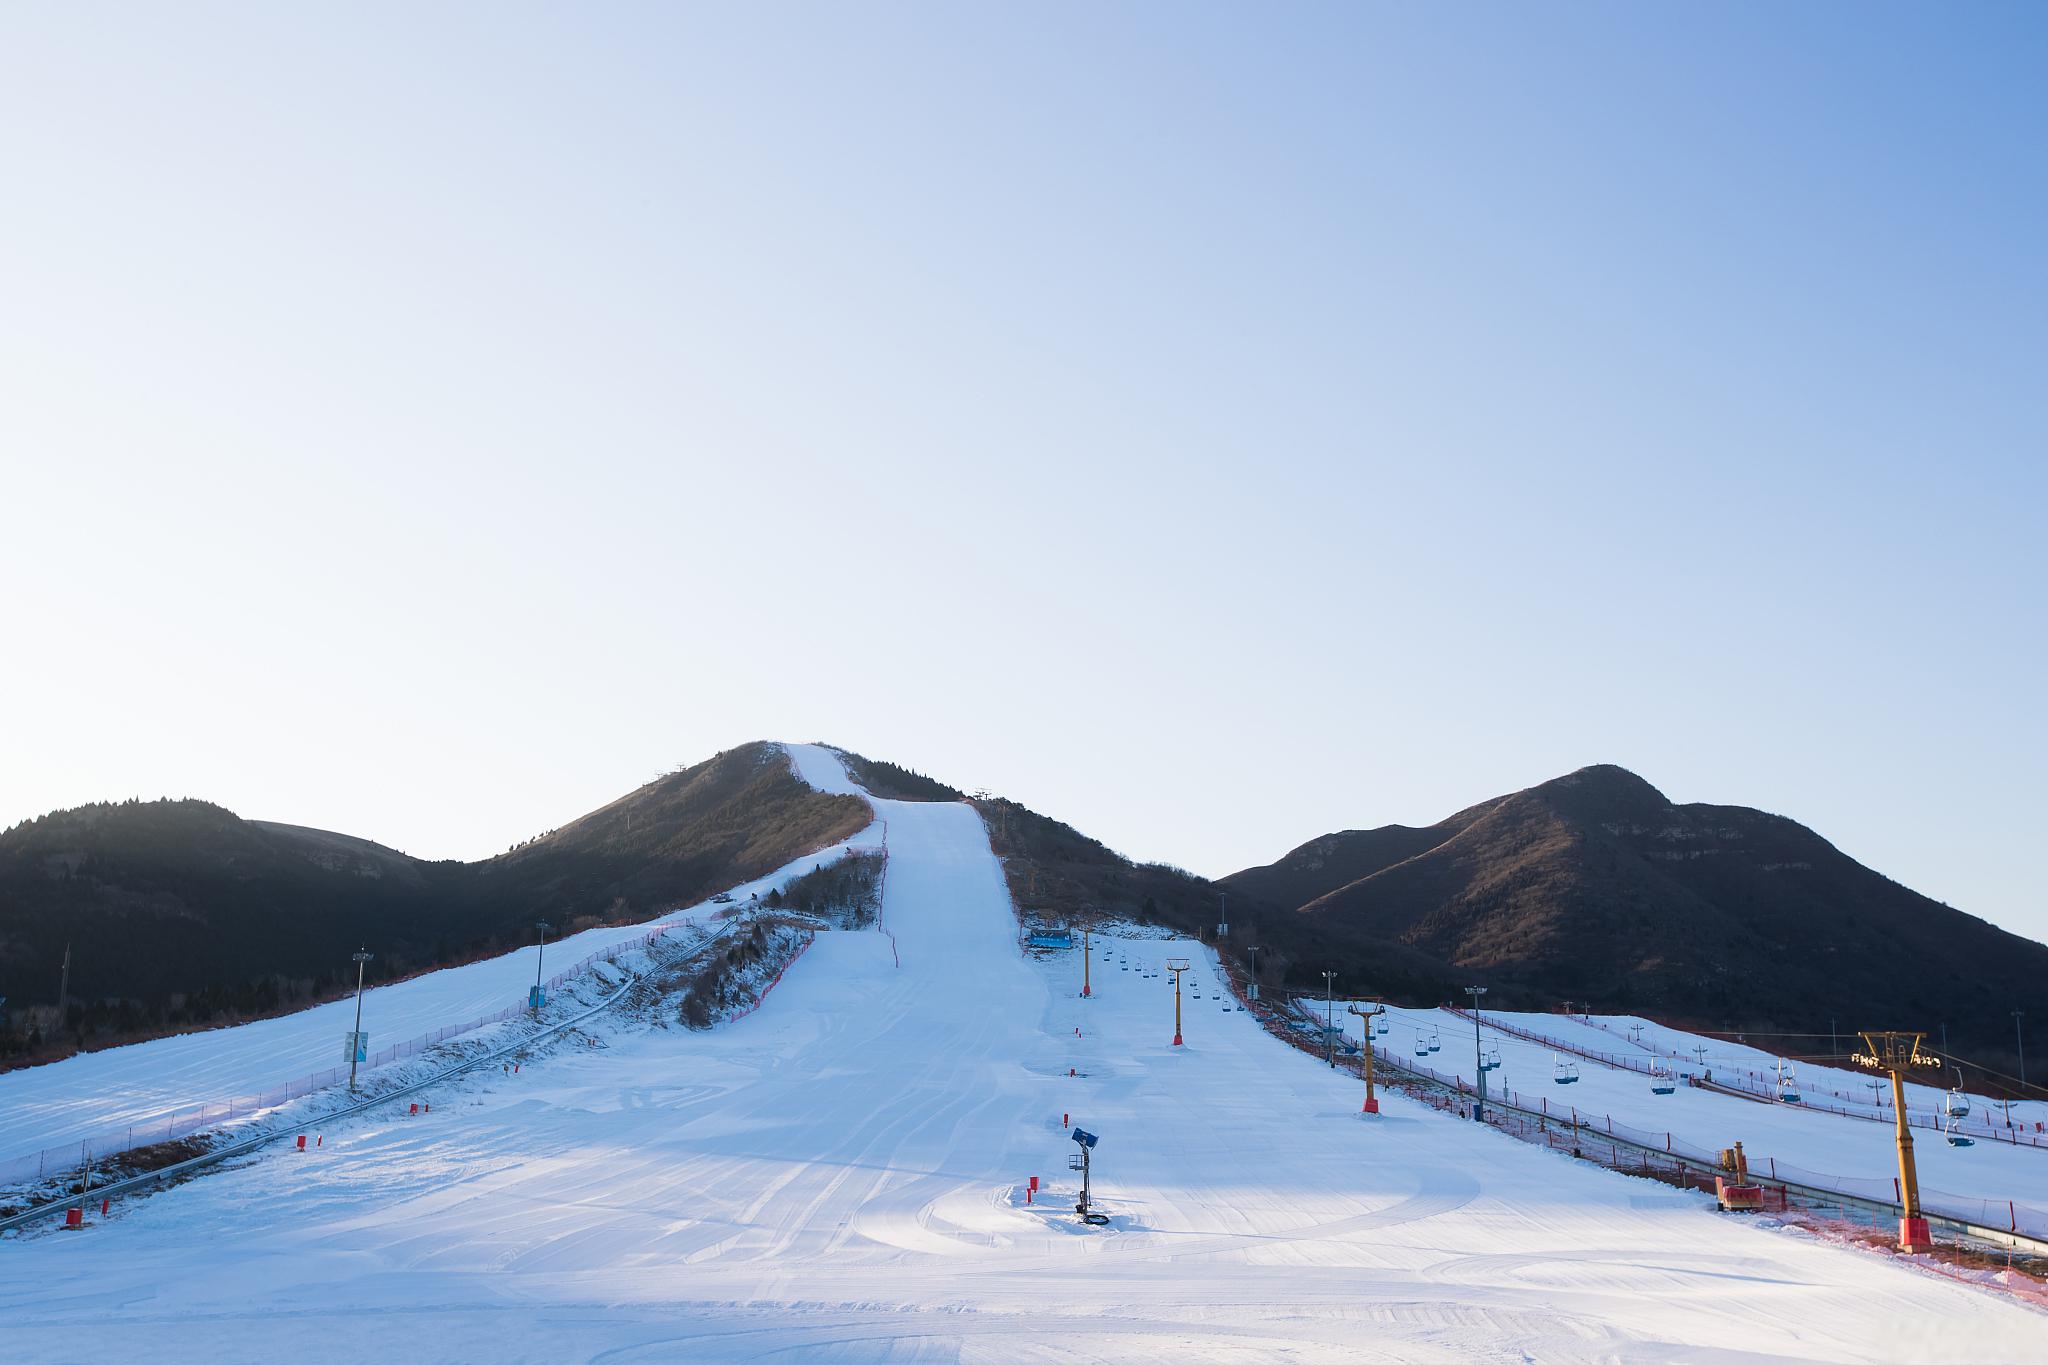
[1895, 1054]
[1177, 965]
[1372, 1106]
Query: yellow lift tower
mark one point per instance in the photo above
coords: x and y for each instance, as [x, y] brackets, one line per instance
[1177, 965]
[1895, 1054]
[1372, 1106]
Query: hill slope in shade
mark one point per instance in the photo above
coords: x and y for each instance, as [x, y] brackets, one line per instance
[182, 913]
[1594, 887]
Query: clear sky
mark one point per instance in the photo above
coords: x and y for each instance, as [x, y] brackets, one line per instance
[1210, 424]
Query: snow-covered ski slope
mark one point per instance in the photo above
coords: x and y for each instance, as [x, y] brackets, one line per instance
[1752, 1065]
[145, 1083]
[838, 1176]
[1814, 1140]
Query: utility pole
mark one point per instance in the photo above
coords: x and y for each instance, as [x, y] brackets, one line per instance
[1835, 1041]
[1372, 1106]
[538, 998]
[64, 990]
[1223, 914]
[1252, 985]
[1895, 1054]
[1478, 1057]
[1087, 951]
[1177, 965]
[356, 1048]
[1330, 1019]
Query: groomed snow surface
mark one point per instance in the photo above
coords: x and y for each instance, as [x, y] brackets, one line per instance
[839, 1176]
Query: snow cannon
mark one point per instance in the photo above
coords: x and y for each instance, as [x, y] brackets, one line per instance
[1080, 1161]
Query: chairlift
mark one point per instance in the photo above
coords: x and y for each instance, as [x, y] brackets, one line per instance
[1436, 1042]
[1384, 1027]
[1788, 1084]
[1956, 1137]
[1662, 1083]
[1562, 1071]
[1421, 1044]
[1957, 1105]
[1491, 1061]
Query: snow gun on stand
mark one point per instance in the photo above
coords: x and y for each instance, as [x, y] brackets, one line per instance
[1079, 1161]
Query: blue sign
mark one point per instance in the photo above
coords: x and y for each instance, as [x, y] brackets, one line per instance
[1085, 1139]
[536, 997]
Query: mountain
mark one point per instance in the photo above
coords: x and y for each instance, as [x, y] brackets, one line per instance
[181, 913]
[1596, 888]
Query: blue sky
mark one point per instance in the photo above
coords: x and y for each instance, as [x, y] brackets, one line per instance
[1213, 425]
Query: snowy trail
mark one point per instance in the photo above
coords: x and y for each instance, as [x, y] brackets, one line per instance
[839, 1174]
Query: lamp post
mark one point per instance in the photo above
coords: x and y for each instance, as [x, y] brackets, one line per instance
[2021, 1039]
[1087, 959]
[1478, 1057]
[539, 958]
[1252, 985]
[1330, 1019]
[355, 1042]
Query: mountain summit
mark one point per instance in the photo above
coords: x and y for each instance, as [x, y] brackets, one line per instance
[1596, 887]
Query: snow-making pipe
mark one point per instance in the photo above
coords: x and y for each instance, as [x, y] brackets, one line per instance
[204, 1159]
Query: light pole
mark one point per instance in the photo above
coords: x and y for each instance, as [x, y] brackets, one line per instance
[2021, 1039]
[1478, 1057]
[1087, 959]
[1253, 984]
[355, 1042]
[1330, 1019]
[535, 1002]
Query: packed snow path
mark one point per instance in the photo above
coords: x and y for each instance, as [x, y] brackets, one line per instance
[838, 1176]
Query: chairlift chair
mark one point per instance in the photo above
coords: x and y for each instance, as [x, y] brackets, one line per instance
[1436, 1042]
[1491, 1061]
[1421, 1044]
[1788, 1084]
[1956, 1104]
[1953, 1132]
[1564, 1072]
[1662, 1083]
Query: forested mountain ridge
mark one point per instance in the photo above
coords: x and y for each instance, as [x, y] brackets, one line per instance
[182, 914]
[1594, 887]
